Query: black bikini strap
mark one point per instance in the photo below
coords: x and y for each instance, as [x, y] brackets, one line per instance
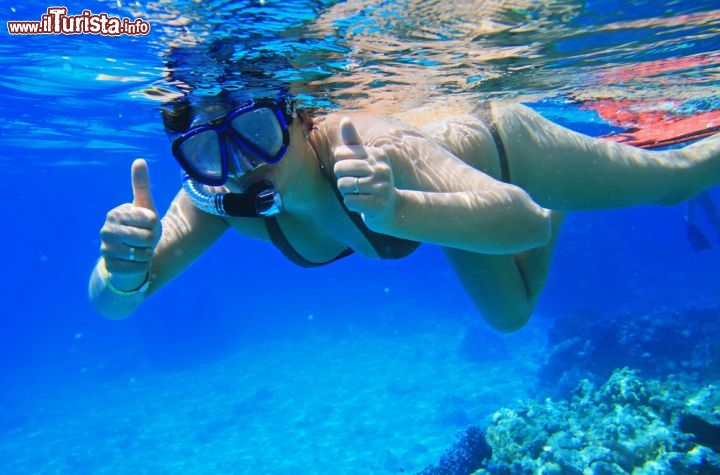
[387, 247]
[485, 113]
[278, 238]
[354, 217]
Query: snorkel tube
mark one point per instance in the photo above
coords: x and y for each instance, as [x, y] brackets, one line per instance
[260, 200]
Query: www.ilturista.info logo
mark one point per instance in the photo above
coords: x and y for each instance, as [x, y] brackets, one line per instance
[57, 22]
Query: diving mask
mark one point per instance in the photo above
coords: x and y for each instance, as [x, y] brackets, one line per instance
[249, 136]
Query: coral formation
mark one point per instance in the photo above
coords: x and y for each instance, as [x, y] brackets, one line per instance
[588, 346]
[617, 395]
[629, 425]
[465, 456]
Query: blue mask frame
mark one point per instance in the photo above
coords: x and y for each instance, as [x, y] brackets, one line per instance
[248, 155]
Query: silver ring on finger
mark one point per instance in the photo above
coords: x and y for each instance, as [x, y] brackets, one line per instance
[356, 188]
[133, 251]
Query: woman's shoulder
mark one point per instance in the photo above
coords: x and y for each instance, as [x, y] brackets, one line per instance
[410, 115]
[371, 127]
[331, 121]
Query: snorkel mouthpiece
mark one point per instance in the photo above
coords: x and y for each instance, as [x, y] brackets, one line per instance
[260, 200]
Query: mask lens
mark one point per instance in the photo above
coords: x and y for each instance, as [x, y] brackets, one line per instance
[260, 128]
[201, 152]
[244, 161]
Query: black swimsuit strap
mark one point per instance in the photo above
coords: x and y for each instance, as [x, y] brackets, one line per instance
[386, 247]
[485, 113]
[278, 238]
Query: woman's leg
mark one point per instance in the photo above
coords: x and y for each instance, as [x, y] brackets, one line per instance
[565, 170]
[505, 288]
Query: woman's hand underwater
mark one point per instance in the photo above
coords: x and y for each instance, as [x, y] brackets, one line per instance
[130, 234]
[365, 179]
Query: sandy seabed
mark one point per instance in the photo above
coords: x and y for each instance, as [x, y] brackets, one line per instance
[358, 404]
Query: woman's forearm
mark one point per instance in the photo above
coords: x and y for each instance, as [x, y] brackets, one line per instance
[186, 233]
[111, 304]
[496, 221]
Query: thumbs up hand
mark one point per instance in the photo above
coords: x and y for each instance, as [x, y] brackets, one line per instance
[365, 179]
[131, 233]
[140, 176]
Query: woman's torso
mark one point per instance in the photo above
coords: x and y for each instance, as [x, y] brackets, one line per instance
[326, 229]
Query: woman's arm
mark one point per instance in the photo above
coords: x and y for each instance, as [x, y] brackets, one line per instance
[412, 188]
[492, 221]
[186, 233]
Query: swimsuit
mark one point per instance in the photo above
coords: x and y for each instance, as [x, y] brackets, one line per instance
[485, 113]
[387, 247]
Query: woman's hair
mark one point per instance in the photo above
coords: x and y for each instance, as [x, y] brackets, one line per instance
[177, 115]
[307, 118]
[211, 66]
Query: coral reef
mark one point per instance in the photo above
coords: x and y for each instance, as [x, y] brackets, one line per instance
[589, 346]
[465, 456]
[629, 425]
[623, 394]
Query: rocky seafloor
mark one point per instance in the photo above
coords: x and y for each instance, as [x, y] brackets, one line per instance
[616, 395]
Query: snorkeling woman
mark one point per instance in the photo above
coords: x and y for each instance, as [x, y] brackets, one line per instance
[489, 184]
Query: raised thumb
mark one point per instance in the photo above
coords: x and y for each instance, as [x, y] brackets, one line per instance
[351, 140]
[348, 133]
[141, 185]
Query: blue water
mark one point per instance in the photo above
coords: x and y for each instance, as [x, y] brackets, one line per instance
[247, 364]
